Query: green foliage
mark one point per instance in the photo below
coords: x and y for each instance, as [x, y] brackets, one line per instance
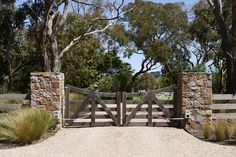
[119, 81]
[24, 126]
[164, 81]
[145, 81]
[155, 27]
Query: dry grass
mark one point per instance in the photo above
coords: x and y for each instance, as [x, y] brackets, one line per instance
[207, 129]
[24, 126]
[234, 128]
[220, 130]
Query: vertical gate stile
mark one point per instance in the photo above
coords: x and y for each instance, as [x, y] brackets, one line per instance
[118, 110]
[175, 104]
[67, 106]
[150, 109]
[123, 107]
[93, 108]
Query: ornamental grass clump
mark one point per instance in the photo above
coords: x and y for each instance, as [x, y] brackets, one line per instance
[207, 130]
[234, 128]
[220, 130]
[24, 126]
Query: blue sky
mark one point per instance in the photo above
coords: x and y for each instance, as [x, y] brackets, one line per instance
[135, 60]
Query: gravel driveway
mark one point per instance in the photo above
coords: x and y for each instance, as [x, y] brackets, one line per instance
[122, 142]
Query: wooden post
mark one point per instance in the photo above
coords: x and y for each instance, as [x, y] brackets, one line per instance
[149, 109]
[118, 110]
[178, 107]
[123, 108]
[93, 108]
[67, 105]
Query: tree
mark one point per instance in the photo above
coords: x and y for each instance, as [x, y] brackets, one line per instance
[151, 29]
[12, 39]
[145, 81]
[221, 10]
[51, 22]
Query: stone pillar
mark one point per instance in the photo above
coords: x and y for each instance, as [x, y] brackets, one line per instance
[196, 96]
[47, 91]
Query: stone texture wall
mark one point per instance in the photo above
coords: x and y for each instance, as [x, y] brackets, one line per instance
[47, 91]
[196, 96]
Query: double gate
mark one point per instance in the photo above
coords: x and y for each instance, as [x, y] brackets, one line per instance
[85, 108]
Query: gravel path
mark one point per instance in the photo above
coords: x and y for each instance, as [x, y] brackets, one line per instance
[122, 142]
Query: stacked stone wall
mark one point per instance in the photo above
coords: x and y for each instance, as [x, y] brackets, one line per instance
[195, 96]
[47, 91]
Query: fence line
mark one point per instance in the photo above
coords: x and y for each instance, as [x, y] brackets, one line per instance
[12, 101]
[224, 106]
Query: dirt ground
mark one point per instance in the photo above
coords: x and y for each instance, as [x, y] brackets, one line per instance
[121, 142]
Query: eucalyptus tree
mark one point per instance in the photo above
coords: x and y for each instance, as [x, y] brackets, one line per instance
[225, 16]
[51, 21]
[154, 30]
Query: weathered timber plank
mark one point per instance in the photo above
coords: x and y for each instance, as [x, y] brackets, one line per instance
[79, 90]
[13, 96]
[88, 124]
[135, 110]
[106, 109]
[106, 94]
[93, 108]
[89, 109]
[81, 107]
[123, 107]
[161, 106]
[154, 124]
[67, 104]
[166, 89]
[118, 102]
[224, 116]
[76, 102]
[146, 120]
[223, 106]
[149, 109]
[5, 107]
[136, 94]
[217, 97]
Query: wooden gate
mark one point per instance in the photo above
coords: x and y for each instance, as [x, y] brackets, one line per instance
[149, 109]
[84, 108]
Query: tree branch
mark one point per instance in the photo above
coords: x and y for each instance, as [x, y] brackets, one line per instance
[76, 40]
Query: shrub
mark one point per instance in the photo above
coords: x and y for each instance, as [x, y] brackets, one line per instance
[24, 126]
[207, 129]
[220, 130]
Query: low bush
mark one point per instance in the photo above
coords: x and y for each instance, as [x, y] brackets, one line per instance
[24, 126]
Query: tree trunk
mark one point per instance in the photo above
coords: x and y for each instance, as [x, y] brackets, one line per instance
[56, 64]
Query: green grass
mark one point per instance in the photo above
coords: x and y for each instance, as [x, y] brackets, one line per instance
[23, 126]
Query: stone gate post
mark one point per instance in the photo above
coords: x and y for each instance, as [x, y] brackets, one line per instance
[195, 95]
[47, 91]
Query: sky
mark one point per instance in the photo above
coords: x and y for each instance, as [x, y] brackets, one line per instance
[136, 60]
